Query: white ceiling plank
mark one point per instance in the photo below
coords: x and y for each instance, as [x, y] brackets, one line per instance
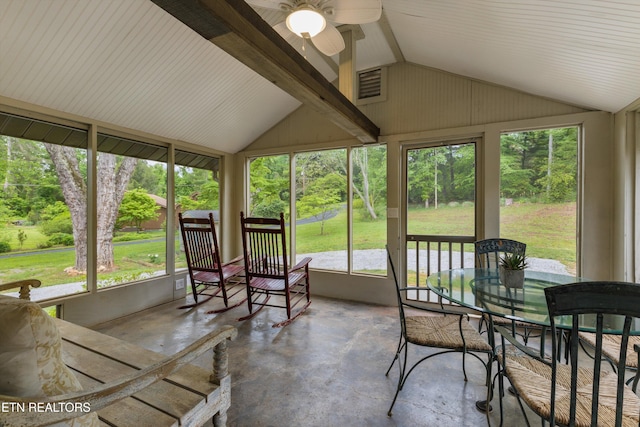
[129, 63]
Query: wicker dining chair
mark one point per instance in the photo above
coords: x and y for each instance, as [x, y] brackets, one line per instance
[488, 254]
[611, 348]
[585, 392]
[446, 330]
[209, 276]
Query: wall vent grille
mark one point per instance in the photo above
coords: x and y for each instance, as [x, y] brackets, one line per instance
[371, 85]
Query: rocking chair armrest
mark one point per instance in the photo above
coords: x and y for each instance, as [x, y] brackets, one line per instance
[304, 262]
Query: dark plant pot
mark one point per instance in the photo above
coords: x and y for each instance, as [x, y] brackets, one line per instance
[512, 278]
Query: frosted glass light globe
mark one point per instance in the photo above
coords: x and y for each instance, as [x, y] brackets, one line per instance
[306, 21]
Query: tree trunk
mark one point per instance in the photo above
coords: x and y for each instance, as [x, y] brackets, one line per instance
[74, 190]
[363, 163]
[112, 183]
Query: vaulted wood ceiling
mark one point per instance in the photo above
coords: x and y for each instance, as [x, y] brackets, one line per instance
[133, 64]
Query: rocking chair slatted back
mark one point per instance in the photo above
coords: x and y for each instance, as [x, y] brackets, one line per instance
[201, 245]
[267, 251]
[209, 276]
[267, 268]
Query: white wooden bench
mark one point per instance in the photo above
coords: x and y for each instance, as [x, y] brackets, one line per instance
[128, 385]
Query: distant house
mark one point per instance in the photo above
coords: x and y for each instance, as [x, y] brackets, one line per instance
[157, 224]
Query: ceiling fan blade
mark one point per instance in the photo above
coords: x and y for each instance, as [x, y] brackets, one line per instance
[286, 33]
[267, 4]
[356, 11]
[329, 41]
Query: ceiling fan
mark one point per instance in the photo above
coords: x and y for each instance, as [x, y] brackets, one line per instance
[313, 19]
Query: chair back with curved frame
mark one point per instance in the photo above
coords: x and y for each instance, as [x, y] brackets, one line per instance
[449, 331]
[209, 276]
[267, 269]
[488, 251]
[611, 305]
[585, 392]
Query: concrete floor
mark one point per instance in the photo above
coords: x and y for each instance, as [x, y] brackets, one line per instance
[325, 369]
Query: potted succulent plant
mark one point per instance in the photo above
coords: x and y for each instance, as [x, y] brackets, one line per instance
[511, 270]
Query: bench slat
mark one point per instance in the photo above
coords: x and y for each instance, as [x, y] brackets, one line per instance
[192, 377]
[163, 395]
[128, 412]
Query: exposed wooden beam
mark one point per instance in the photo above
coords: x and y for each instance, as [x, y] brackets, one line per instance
[236, 28]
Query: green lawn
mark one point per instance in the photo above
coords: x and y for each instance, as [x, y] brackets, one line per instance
[548, 230]
[131, 258]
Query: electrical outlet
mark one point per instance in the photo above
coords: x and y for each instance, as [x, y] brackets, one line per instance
[179, 284]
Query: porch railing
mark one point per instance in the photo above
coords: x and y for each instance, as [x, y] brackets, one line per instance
[429, 254]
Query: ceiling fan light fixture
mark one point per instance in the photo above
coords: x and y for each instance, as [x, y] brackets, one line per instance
[306, 21]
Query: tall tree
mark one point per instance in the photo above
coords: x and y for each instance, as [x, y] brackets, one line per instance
[112, 179]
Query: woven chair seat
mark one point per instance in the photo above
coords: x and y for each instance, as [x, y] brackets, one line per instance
[611, 347]
[444, 332]
[532, 379]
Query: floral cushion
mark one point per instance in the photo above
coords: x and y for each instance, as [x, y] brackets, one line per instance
[31, 363]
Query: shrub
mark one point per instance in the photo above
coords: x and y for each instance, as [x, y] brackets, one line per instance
[128, 237]
[4, 247]
[63, 239]
[61, 223]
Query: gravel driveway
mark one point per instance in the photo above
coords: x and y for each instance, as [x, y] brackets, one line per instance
[376, 259]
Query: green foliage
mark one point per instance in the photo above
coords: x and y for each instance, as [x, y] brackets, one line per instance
[60, 223]
[53, 210]
[321, 198]
[196, 189]
[63, 239]
[269, 186]
[4, 246]
[5, 213]
[136, 208]
[150, 176]
[126, 237]
[529, 169]
[513, 261]
[270, 210]
[22, 236]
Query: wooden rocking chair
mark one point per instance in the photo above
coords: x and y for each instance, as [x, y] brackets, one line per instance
[209, 276]
[266, 268]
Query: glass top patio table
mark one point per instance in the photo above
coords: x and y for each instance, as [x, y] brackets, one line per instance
[480, 289]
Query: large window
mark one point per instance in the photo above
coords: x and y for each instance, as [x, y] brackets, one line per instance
[43, 217]
[369, 219]
[197, 189]
[321, 197]
[538, 188]
[131, 210]
[45, 206]
[325, 205]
